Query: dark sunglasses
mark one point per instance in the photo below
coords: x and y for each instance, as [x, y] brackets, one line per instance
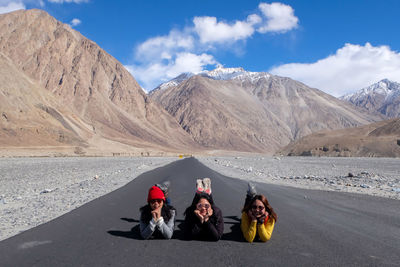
[155, 200]
[199, 206]
[254, 207]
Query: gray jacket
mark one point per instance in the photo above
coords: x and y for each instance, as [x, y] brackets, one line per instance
[166, 229]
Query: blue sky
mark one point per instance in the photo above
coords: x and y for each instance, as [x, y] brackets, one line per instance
[336, 46]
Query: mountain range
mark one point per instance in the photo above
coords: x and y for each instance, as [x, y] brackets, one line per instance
[61, 93]
[380, 139]
[382, 97]
[230, 108]
[105, 108]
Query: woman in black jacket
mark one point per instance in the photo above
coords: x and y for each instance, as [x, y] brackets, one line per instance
[203, 220]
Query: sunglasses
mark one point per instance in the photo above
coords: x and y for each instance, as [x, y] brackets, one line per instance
[254, 207]
[200, 206]
[155, 200]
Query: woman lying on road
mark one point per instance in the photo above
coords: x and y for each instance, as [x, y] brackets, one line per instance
[157, 218]
[203, 220]
[258, 217]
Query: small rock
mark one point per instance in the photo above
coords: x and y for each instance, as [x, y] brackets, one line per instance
[350, 174]
[45, 191]
[397, 190]
[96, 177]
[365, 186]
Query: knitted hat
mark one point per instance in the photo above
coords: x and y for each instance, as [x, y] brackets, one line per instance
[155, 193]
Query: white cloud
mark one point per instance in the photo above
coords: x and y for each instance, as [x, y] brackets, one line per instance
[161, 58]
[351, 68]
[75, 22]
[279, 18]
[210, 31]
[152, 74]
[10, 6]
[276, 17]
[162, 47]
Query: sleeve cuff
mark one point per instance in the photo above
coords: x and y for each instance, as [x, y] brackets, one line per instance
[160, 221]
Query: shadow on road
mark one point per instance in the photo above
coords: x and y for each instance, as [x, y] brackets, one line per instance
[235, 233]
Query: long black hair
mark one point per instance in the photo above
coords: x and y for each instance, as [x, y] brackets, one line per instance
[196, 199]
[165, 212]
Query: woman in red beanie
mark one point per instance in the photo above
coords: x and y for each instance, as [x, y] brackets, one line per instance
[157, 218]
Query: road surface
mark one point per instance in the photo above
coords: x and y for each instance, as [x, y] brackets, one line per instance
[314, 228]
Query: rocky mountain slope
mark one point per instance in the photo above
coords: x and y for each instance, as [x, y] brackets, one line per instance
[94, 86]
[382, 97]
[31, 116]
[380, 139]
[249, 111]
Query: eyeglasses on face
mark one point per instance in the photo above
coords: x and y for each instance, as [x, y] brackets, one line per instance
[200, 206]
[255, 207]
[155, 200]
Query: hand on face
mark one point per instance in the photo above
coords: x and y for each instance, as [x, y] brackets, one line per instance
[251, 215]
[156, 207]
[198, 214]
[203, 210]
[258, 210]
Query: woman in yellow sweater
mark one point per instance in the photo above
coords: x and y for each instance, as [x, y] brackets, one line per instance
[258, 217]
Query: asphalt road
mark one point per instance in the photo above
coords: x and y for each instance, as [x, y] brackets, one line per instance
[314, 228]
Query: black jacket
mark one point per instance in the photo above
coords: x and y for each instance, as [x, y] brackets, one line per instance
[211, 230]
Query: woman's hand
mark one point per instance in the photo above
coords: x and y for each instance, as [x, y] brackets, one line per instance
[208, 214]
[156, 213]
[251, 215]
[201, 217]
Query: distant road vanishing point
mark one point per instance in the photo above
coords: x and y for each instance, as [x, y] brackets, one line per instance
[314, 228]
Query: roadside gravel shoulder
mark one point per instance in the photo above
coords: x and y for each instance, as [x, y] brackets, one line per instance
[36, 190]
[372, 176]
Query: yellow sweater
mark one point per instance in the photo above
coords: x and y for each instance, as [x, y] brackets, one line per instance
[250, 228]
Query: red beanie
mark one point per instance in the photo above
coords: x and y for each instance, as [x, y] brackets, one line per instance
[155, 193]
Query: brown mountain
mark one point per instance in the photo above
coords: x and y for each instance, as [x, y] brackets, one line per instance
[31, 116]
[258, 112]
[94, 86]
[382, 97]
[380, 139]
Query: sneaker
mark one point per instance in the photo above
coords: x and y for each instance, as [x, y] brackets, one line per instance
[199, 186]
[251, 190]
[164, 187]
[207, 185]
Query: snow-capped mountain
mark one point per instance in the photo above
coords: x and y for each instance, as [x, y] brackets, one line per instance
[383, 97]
[220, 73]
[175, 81]
[233, 109]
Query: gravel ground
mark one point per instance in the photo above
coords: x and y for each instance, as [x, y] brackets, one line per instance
[372, 176]
[37, 190]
